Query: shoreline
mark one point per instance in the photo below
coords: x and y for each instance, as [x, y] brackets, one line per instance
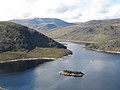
[51, 54]
[105, 51]
[28, 59]
[73, 41]
[84, 42]
[52, 59]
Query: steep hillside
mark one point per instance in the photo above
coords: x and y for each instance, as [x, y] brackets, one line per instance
[42, 24]
[18, 38]
[94, 31]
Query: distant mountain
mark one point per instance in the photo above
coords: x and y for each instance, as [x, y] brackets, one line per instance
[104, 32]
[18, 41]
[42, 24]
[106, 21]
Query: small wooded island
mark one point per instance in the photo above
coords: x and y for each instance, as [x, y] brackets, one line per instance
[71, 73]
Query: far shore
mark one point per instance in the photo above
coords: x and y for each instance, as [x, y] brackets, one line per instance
[74, 41]
[105, 51]
[84, 42]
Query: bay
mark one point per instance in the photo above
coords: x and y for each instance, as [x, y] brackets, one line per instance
[102, 71]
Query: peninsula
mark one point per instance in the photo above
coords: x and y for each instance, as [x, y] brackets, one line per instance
[20, 42]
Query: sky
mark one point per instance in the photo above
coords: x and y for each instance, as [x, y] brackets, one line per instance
[68, 10]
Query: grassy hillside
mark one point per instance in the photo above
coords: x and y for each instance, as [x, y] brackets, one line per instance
[35, 53]
[86, 33]
[111, 45]
[22, 41]
[104, 32]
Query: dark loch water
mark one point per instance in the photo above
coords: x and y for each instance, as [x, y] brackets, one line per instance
[101, 74]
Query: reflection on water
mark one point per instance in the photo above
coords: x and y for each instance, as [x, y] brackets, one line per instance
[100, 74]
[20, 65]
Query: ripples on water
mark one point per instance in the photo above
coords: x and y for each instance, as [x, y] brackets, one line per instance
[100, 74]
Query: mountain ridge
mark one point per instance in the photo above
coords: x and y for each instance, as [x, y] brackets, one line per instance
[42, 24]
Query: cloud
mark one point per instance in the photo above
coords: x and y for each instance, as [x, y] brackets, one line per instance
[10, 9]
[114, 11]
[100, 9]
[31, 1]
[97, 9]
[72, 10]
[60, 9]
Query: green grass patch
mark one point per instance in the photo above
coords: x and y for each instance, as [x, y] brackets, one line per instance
[36, 53]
